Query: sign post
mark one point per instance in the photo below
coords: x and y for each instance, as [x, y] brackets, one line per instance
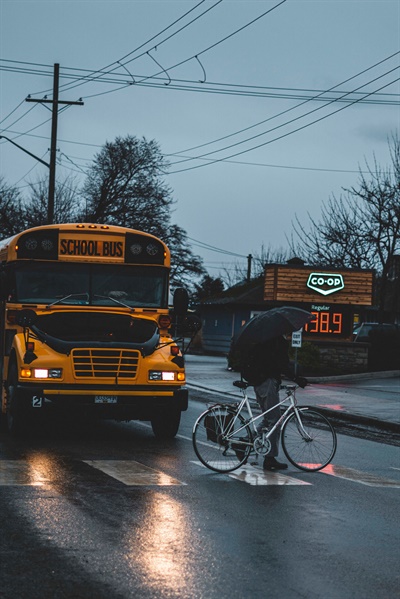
[296, 343]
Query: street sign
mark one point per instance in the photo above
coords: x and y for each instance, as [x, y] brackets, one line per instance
[297, 338]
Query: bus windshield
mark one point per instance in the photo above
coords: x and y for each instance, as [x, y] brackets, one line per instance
[89, 284]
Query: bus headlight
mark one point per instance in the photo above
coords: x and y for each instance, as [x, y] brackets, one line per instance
[162, 375]
[41, 373]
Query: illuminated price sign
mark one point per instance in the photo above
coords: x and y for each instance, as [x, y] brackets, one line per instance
[329, 320]
[325, 322]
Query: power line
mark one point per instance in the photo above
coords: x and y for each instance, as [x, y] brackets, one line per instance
[282, 166]
[18, 119]
[216, 43]
[281, 136]
[392, 101]
[16, 108]
[30, 170]
[261, 91]
[212, 248]
[101, 72]
[289, 110]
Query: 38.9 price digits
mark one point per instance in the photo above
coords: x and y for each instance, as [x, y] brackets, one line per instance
[325, 322]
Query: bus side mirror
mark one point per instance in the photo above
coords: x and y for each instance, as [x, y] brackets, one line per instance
[181, 301]
[25, 318]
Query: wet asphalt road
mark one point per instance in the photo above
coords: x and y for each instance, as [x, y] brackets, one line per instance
[157, 524]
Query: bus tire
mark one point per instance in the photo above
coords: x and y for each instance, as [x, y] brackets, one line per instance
[16, 419]
[165, 425]
[3, 422]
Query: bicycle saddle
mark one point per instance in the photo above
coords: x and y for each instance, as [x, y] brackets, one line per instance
[241, 384]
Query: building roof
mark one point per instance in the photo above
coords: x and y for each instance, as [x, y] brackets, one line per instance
[242, 293]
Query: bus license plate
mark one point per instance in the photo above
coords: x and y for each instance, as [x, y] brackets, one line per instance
[105, 399]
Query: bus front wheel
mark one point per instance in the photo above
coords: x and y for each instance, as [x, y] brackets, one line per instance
[165, 425]
[16, 420]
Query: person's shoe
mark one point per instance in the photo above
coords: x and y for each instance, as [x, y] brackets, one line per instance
[273, 464]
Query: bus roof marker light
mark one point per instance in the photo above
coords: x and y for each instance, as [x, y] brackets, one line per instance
[31, 243]
[136, 249]
[152, 249]
[47, 245]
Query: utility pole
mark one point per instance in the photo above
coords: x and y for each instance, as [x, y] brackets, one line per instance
[249, 259]
[53, 148]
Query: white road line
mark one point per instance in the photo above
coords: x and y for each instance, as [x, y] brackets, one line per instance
[363, 478]
[255, 476]
[133, 473]
[21, 473]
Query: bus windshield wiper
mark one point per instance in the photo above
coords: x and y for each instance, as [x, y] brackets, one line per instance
[114, 300]
[62, 299]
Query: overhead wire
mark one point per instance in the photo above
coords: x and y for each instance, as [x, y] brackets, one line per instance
[289, 110]
[224, 39]
[226, 88]
[19, 118]
[12, 112]
[102, 71]
[394, 100]
[213, 248]
[281, 136]
[194, 57]
[31, 169]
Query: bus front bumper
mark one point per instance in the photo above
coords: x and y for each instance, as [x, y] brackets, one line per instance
[103, 401]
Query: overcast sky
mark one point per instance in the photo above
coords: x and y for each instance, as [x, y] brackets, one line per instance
[267, 154]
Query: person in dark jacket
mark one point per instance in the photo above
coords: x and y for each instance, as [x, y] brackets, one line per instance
[268, 361]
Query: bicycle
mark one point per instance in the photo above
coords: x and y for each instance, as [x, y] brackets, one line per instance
[225, 435]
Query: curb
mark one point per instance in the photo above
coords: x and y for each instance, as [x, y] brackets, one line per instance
[384, 374]
[364, 421]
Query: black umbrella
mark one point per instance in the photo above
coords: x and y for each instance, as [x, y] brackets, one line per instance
[270, 324]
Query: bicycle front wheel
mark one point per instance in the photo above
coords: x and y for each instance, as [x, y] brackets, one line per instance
[221, 439]
[308, 440]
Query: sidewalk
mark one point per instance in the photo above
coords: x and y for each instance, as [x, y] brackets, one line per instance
[371, 399]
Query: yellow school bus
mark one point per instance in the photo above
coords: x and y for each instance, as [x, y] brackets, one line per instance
[84, 327]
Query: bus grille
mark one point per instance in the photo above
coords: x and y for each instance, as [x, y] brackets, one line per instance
[105, 363]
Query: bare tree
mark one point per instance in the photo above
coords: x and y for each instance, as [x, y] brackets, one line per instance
[361, 228]
[208, 287]
[18, 214]
[11, 210]
[125, 187]
[67, 202]
[239, 272]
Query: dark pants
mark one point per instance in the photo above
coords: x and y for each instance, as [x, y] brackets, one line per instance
[267, 395]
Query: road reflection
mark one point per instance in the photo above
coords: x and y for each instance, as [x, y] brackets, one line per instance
[164, 548]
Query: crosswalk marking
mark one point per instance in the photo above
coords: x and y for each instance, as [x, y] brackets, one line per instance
[20, 473]
[133, 473]
[257, 477]
[363, 478]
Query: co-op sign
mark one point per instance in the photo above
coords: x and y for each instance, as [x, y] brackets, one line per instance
[325, 283]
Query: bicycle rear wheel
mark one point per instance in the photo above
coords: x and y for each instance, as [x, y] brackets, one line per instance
[221, 439]
[308, 443]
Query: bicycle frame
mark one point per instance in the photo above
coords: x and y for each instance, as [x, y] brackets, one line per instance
[245, 403]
